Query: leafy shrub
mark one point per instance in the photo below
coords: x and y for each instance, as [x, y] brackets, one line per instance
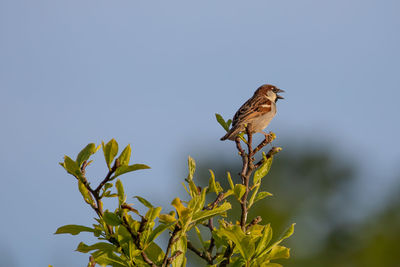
[128, 238]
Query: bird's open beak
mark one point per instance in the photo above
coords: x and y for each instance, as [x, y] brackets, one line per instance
[278, 96]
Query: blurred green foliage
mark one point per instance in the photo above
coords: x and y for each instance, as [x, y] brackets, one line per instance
[315, 188]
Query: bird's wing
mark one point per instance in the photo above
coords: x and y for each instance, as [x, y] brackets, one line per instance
[254, 107]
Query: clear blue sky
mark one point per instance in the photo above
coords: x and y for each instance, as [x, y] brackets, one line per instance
[153, 73]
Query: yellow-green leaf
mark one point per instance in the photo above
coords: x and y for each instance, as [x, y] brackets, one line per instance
[192, 168]
[244, 243]
[230, 180]
[265, 239]
[166, 218]
[222, 122]
[85, 193]
[71, 166]
[212, 185]
[239, 191]
[85, 153]
[144, 201]
[125, 156]
[73, 229]
[121, 193]
[125, 168]
[279, 252]
[262, 195]
[111, 218]
[110, 150]
[103, 246]
[206, 214]
[263, 169]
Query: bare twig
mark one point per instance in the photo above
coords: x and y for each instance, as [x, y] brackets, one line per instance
[108, 176]
[255, 221]
[265, 142]
[92, 263]
[212, 205]
[173, 257]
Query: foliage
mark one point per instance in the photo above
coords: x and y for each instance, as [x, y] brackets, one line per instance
[129, 238]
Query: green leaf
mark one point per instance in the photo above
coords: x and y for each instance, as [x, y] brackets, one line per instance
[110, 150]
[263, 169]
[239, 191]
[265, 239]
[230, 180]
[212, 185]
[120, 190]
[222, 122]
[206, 214]
[288, 232]
[285, 235]
[167, 218]
[192, 168]
[85, 153]
[180, 245]
[154, 252]
[239, 262]
[262, 195]
[73, 229]
[153, 213]
[158, 231]
[111, 218]
[244, 243]
[125, 156]
[124, 169]
[279, 252]
[85, 193]
[82, 247]
[253, 195]
[71, 167]
[106, 258]
[144, 201]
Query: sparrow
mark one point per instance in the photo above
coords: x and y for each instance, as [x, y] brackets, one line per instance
[256, 113]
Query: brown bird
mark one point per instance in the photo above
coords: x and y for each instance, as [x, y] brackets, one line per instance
[256, 113]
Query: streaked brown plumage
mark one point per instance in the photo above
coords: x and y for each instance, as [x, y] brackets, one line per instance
[256, 113]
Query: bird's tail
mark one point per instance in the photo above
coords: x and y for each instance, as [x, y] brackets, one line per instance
[231, 134]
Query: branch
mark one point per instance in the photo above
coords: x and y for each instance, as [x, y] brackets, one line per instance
[247, 170]
[172, 258]
[268, 139]
[136, 238]
[201, 254]
[255, 221]
[171, 241]
[92, 263]
[108, 176]
[227, 255]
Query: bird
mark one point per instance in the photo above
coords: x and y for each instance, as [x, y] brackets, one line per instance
[256, 113]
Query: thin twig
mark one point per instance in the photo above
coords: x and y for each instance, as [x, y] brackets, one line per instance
[171, 241]
[92, 263]
[108, 176]
[227, 255]
[201, 254]
[265, 142]
[136, 239]
[255, 221]
[173, 257]
[212, 205]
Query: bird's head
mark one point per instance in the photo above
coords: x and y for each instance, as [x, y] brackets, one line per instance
[270, 91]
